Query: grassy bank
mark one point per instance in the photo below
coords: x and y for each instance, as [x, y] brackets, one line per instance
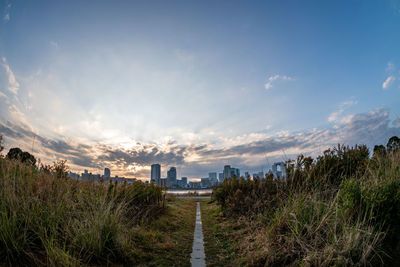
[342, 209]
[49, 219]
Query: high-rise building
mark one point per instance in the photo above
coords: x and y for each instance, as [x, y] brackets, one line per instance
[227, 171]
[171, 175]
[156, 173]
[184, 180]
[220, 177]
[235, 172]
[212, 175]
[107, 173]
[213, 178]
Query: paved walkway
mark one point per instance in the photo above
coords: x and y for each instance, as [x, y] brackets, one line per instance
[198, 256]
[194, 197]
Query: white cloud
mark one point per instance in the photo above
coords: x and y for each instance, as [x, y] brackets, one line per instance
[6, 16]
[386, 84]
[275, 77]
[53, 44]
[13, 85]
[334, 117]
[3, 95]
[390, 67]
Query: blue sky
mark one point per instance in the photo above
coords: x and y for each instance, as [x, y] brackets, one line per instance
[196, 84]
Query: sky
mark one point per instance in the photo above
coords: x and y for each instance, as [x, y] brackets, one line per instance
[196, 84]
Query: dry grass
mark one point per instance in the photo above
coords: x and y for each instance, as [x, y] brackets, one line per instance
[46, 219]
[347, 216]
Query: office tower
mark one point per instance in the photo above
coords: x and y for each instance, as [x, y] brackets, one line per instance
[171, 175]
[220, 177]
[227, 171]
[107, 173]
[212, 175]
[184, 181]
[156, 173]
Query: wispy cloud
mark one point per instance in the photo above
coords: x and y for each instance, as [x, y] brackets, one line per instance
[335, 116]
[195, 160]
[386, 84]
[6, 16]
[275, 77]
[53, 44]
[13, 85]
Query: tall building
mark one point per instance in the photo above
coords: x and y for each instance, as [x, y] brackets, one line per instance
[184, 180]
[107, 173]
[156, 173]
[236, 172]
[220, 177]
[171, 175]
[213, 178]
[227, 171]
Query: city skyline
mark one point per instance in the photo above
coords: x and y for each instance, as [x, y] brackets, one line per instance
[196, 85]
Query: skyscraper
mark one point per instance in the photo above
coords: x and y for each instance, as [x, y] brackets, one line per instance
[171, 175]
[107, 173]
[227, 171]
[236, 172]
[156, 173]
[220, 177]
[213, 177]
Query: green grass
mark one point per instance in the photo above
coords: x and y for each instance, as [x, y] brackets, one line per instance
[49, 219]
[219, 247]
[168, 240]
[339, 210]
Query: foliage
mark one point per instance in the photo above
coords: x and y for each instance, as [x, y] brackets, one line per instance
[45, 220]
[393, 144]
[23, 156]
[239, 196]
[1, 143]
[341, 208]
[379, 151]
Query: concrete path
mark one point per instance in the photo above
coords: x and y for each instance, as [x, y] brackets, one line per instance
[194, 197]
[198, 256]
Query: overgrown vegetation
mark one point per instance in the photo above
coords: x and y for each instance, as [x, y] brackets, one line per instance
[342, 208]
[49, 219]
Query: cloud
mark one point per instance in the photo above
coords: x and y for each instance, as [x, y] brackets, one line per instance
[275, 77]
[53, 44]
[386, 84]
[196, 160]
[6, 16]
[334, 116]
[13, 85]
[390, 67]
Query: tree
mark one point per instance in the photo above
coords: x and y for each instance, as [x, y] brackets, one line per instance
[1, 143]
[393, 144]
[17, 154]
[379, 151]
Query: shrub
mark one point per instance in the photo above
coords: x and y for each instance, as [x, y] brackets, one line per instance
[45, 220]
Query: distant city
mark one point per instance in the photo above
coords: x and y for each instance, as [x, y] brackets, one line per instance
[171, 181]
[106, 177]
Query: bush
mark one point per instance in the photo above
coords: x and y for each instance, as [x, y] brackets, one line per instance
[45, 220]
[341, 209]
[239, 196]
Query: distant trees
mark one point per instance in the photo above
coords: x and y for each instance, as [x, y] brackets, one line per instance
[17, 154]
[1, 143]
[379, 150]
[392, 146]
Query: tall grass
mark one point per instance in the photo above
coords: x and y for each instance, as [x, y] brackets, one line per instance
[49, 219]
[341, 209]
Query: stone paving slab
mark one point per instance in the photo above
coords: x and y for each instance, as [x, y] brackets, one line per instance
[198, 257]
